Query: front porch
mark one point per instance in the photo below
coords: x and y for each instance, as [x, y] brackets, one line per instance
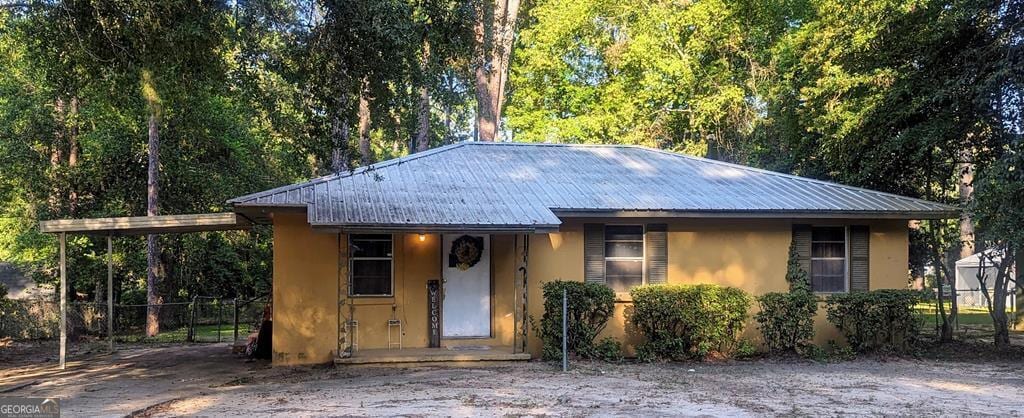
[440, 354]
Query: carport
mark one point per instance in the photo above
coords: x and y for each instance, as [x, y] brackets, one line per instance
[127, 226]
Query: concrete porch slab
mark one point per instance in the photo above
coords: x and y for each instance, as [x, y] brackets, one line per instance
[426, 355]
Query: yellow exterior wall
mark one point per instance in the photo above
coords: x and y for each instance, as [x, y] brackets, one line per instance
[305, 292]
[310, 277]
[747, 254]
[311, 286]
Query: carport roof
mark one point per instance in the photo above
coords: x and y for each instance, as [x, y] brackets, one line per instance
[514, 186]
[142, 225]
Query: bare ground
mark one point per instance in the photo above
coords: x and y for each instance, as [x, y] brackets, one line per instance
[207, 380]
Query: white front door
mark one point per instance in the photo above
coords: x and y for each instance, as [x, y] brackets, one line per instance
[467, 286]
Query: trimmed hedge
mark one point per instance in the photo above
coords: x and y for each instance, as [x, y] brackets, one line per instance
[786, 320]
[590, 307]
[687, 321]
[879, 320]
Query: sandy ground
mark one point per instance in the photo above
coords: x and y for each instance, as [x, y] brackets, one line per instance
[207, 380]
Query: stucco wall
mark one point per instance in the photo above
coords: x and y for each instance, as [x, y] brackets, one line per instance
[416, 262]
[748, 254]
[310, 275]
[310, 279]
[305, 292]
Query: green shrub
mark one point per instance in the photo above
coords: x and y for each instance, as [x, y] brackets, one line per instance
[786, 320]
[879, 320]
[590, 306]
[681, 321]
[608, 349]
[26, 319]
[745, 350]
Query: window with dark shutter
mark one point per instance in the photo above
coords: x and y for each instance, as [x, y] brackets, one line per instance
[860, 240]
[623, 256]
[829, 259]
[593, 253]
[656, 253]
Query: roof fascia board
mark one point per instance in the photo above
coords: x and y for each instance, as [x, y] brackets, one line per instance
[586, 213]
[424, 229]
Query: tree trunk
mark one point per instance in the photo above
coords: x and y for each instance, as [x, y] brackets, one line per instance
[339, 139]
[945, 328]
[73, 151]
[494, 33]
[365, 153]
[57, 154]
[966, 189]
[152, 241]
[423, 107]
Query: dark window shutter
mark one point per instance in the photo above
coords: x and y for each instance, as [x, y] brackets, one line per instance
[593, 253]
[656, 253]
[802, 242]
[860, 264]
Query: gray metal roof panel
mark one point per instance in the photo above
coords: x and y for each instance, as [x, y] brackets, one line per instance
[503, 184]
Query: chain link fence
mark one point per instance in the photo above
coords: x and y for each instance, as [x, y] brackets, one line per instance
[204, 319]
[971, 314]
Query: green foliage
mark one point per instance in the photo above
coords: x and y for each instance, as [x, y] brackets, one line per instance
[745, 350]
[684, 321]
[786, 320]
[590, 305]
[24, 320]
[879, 320]
[608, 349]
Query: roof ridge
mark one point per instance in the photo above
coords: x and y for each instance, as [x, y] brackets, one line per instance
[791, 176]
[357, 170]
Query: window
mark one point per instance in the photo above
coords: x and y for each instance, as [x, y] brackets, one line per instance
[623, 256]
[371, 263]
[828, 259]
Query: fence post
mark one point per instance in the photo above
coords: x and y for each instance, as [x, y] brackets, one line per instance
[234, 302]
[220, 316]
[565, 330]
[192, 320]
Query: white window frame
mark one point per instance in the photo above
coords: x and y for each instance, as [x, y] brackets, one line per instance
[352, 259]
[643, 254]
[846, 258]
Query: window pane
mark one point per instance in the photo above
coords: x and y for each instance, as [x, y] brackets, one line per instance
[624, 249]
[371, 277]
[623, 232]
[621, 275]
[828, 275]
[371, 245]
[828, 233]
[828, 250]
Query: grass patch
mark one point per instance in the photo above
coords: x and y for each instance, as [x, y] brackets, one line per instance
[204, 333]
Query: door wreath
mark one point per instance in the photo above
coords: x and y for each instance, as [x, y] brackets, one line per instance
[466, 252]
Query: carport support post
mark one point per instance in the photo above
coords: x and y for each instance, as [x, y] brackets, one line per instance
[110, 294]
[63, 301]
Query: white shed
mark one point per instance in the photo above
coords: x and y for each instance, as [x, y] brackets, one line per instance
[968, 288]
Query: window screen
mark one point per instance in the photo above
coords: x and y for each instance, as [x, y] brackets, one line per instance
[370, 272]
[828, 259]
[624, 256]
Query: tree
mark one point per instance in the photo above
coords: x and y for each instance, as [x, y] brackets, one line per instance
[494, 31]
[1000, 191]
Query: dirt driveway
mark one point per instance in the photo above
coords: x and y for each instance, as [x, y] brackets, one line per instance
[207, 380]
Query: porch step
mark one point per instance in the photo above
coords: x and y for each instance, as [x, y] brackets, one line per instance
[426, 355]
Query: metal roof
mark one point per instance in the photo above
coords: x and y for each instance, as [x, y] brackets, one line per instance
[514, 186]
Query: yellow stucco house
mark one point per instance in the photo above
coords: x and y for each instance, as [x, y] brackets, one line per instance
[443, 253]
